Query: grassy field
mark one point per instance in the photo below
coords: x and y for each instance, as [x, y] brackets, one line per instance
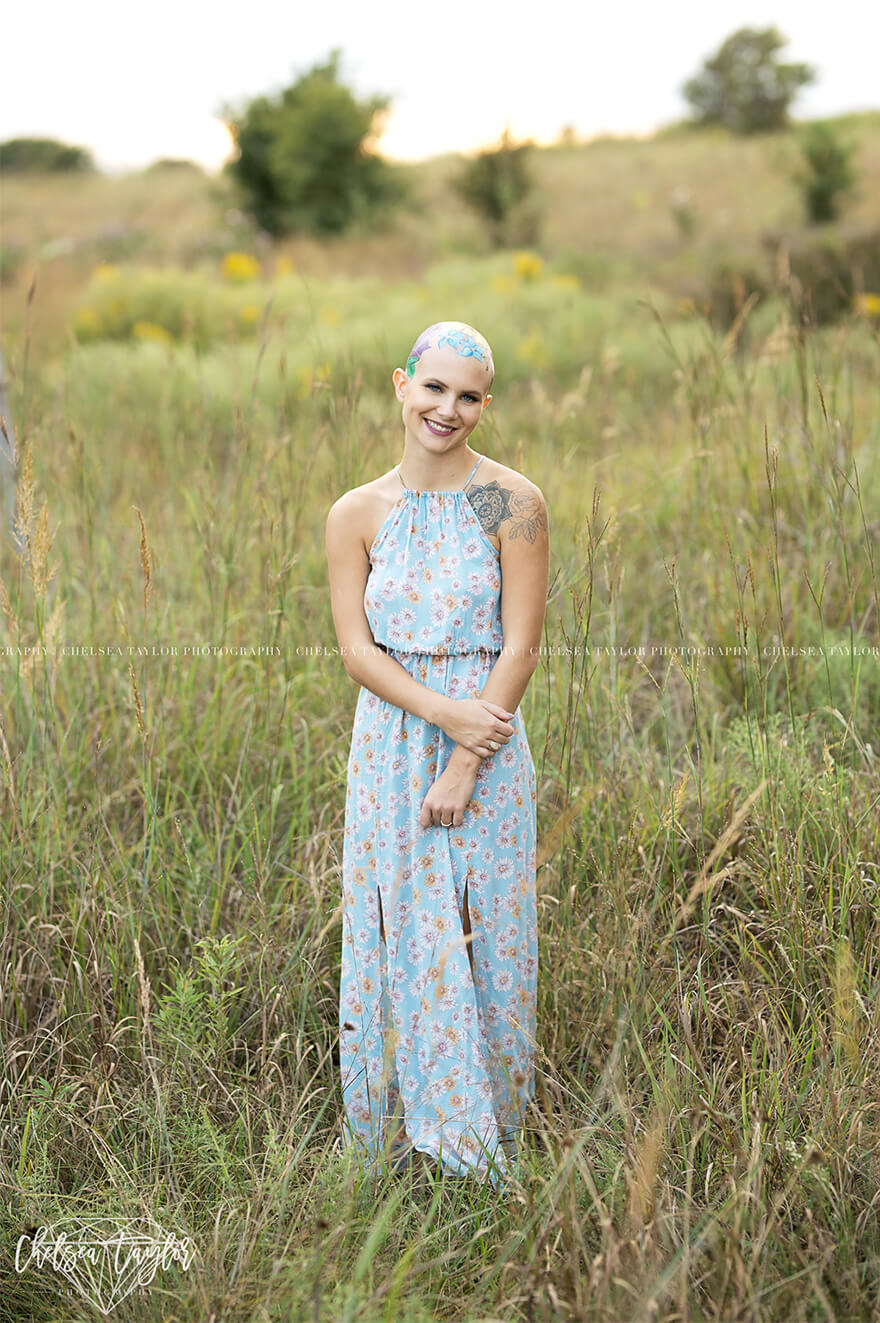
[705, 1139]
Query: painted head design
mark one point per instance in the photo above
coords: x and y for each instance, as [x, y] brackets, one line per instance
[454, 335]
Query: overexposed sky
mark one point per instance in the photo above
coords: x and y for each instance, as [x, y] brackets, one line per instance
[136, 82]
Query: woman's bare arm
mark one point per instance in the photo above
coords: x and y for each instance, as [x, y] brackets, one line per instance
[471, 722]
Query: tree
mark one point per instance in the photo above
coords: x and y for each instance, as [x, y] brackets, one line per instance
[34, 155]
[498, 184]
[744, 86]
[304, 162]
[826, 175]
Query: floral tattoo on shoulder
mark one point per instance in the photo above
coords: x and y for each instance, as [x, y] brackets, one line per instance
[494, 504]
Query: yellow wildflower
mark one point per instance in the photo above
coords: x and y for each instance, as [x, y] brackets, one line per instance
[240, 267]
[527, 266]
[566, 282]
[86, 319]
[249, 313]
[531, 350]
[151, 331]
[868, 305]
[106, 271]
[311, 375]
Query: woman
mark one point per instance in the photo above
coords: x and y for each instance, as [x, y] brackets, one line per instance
[438, 578]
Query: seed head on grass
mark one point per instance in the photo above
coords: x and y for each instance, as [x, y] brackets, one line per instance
[6, 608]
[31, 525]
[138, 707]
[146, 559]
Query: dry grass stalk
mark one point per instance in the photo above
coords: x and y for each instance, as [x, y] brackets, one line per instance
[706, 880]
[138, 706]
[6, 608]
[30, 525]
[146, 559]
[10, 781]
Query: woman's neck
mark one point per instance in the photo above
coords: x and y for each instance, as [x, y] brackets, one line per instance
[422, 472]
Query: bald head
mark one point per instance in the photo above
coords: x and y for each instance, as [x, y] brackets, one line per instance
[458, 336]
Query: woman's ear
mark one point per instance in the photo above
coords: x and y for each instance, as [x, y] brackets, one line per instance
[400, 379]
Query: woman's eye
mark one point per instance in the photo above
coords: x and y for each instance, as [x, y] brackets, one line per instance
[469, 399]
[432, 385]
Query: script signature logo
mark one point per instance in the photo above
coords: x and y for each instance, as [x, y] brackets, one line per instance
[104, 1258]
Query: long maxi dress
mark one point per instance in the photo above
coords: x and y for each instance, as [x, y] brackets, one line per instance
[429, 1044]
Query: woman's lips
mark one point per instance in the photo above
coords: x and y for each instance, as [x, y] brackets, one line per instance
[439, 429]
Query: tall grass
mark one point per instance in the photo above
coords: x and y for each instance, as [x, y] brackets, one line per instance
[704, 1139]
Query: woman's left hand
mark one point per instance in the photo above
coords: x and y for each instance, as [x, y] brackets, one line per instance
[446, 801]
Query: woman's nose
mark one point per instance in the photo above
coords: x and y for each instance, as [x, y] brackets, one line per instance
[447, 406]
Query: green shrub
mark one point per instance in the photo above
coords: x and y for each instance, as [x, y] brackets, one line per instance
[303, 162]
[35, 155]
[819, 276]
[827, 273]
[498, 185]
[826, 175]
[732, 282]
[167, 305]
[180, 164]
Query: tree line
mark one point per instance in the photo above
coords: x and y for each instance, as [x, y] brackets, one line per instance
[307, 159]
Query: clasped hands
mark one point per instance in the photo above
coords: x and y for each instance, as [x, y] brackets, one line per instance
[479, 728]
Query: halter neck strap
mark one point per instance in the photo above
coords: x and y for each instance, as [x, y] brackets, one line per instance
[467, 483]
[473, 471]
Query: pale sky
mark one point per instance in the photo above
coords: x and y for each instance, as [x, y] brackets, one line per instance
[134, 82]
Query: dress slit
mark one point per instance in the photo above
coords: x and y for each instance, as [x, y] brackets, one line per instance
[468, 934]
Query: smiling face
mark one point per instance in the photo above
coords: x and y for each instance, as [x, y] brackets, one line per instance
[443, 399]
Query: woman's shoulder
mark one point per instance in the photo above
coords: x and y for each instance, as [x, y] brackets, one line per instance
[491, 473]
[360, 512]
[509, 489]
[363, 500]
[507, 503]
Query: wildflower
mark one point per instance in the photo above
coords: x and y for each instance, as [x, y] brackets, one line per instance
[151, 331]
[531, 350]
[868, 305]
[566, 282]
[86, 321]
[503, 284]
[249, 313]
[106, 271]
[311, 375]
[527, 266]
[240, 267]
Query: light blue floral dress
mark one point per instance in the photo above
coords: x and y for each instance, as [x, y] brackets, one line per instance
[425, 1043]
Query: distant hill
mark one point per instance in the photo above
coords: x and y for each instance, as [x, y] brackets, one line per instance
[665, 202]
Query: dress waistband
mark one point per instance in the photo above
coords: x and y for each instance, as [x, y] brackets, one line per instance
[435, 652]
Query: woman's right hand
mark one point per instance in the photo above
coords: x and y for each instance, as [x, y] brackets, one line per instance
[477, 724]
